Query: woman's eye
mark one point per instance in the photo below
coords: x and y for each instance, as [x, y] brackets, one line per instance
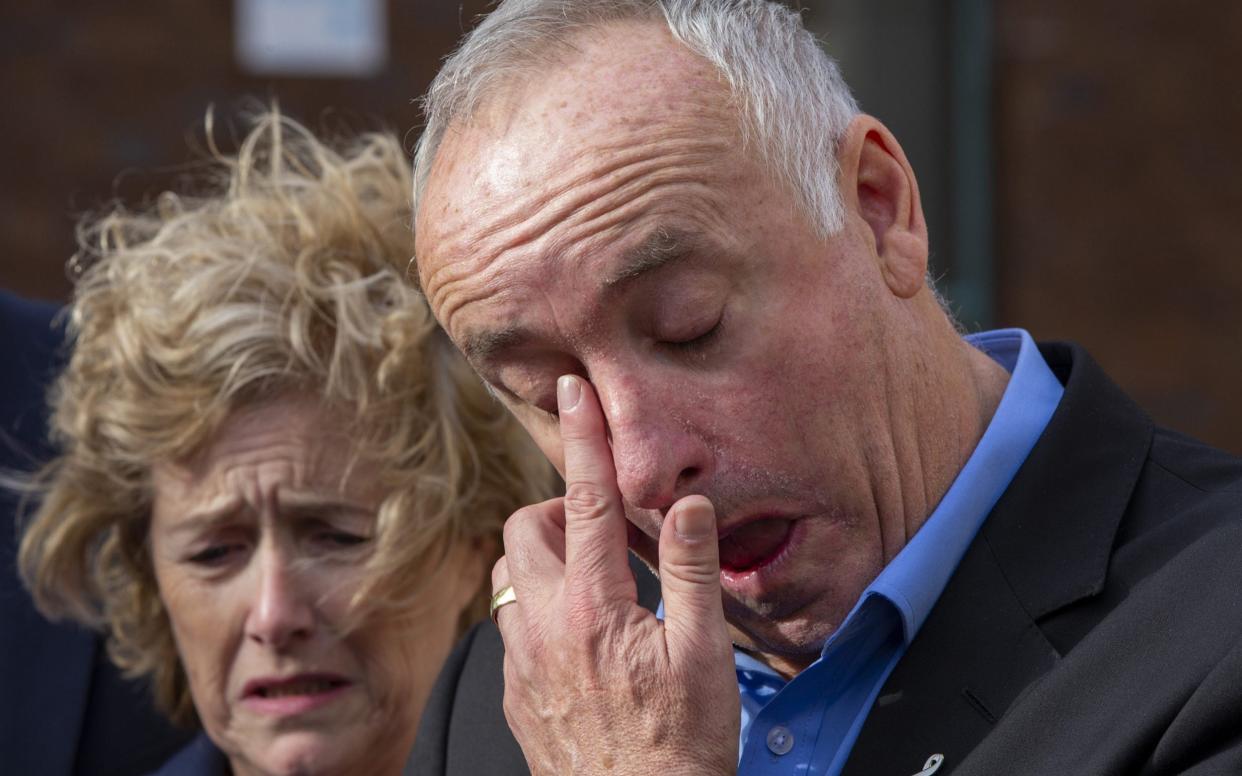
[215, 555]
[343, 539]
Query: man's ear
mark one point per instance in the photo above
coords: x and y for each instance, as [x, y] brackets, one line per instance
[878, 184]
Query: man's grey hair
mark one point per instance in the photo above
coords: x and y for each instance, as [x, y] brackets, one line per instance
[794, 105]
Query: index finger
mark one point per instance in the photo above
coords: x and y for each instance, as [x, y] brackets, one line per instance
[595, 533]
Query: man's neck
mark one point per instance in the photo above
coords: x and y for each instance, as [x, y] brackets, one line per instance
[945, 415]
[947, 404]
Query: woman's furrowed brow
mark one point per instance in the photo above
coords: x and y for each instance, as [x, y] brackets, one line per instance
[207, 516]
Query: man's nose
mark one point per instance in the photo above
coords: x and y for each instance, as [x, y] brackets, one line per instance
[282, 611]
[657, 450]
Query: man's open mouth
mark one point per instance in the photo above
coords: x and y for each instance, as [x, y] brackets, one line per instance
[754, 544]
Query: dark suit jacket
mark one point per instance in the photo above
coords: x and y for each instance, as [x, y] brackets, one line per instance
[1094, 626]
[64, 709]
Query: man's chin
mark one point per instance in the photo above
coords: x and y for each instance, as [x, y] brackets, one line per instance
[794, 639]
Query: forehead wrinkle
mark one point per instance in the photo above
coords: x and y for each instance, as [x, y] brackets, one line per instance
[629, 175]
[573, 178]
[466, 288]
[639, 192]
[580, 207]
[462, 262]
[627, 190]
[694, 212]
[444, 283]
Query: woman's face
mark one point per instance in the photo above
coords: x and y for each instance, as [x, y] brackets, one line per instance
[258, 546]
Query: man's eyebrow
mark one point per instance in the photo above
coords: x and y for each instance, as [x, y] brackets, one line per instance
[480, 347]
[661, 248]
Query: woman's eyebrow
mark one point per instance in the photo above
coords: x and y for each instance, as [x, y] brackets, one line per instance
[315, 505]
[207, 517]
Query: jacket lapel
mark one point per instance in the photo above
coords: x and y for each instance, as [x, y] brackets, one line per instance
[975, 653]
[1045, 545]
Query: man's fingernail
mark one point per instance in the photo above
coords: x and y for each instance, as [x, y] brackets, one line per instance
[695, 521]
[568, 392]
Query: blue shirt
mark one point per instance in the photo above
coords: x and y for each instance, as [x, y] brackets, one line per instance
[809, 724]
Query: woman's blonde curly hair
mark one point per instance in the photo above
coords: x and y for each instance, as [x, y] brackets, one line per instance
[286, 276]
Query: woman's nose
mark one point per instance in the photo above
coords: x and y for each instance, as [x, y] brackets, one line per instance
[282, 612]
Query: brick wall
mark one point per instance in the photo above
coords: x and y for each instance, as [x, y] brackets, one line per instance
[1119, 194]
[103, 100]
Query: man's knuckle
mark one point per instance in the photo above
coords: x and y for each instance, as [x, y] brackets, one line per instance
[520, 524]
[522, 517]
[693, 575]
[586, 500]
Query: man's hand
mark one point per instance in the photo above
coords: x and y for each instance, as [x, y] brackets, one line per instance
[594, 683]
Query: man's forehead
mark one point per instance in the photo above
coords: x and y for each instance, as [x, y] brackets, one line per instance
[617, 81]
[594, 217]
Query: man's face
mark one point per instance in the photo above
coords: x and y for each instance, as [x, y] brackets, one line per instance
[606, 223]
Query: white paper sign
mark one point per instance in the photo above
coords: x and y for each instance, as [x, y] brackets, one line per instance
[344, 38]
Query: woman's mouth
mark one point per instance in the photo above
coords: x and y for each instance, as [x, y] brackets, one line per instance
[295, 694]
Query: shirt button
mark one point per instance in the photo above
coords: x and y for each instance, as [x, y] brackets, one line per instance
[780, 740]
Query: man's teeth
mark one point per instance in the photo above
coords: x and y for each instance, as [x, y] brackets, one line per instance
[304, 687]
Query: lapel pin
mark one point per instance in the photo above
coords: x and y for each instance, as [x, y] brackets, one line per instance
[932, 765]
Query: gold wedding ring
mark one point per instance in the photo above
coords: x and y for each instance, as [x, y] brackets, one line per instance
[504, 595]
